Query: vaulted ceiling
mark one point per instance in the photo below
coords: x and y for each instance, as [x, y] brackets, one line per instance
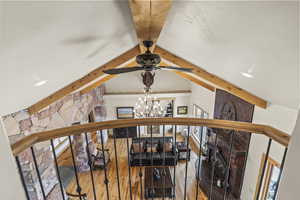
[62, 41]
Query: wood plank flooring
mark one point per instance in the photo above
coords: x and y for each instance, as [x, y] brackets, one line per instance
[86, 183]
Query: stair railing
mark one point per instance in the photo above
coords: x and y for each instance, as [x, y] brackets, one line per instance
[29, 141]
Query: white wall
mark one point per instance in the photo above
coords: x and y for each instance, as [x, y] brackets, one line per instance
[279, 117]
[203, 98]
[289, 187]
[10, 185]
[114, 101]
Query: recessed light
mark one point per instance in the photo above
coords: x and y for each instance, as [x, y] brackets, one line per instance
[40, 83]
[246, 74]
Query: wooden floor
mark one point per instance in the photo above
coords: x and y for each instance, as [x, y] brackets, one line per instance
[86, 184]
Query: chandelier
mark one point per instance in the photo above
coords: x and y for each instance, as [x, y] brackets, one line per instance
[148, 106]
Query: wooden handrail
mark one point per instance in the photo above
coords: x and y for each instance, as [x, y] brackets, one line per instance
[275, 134]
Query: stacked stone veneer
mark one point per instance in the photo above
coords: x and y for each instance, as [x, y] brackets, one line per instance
[70, 109]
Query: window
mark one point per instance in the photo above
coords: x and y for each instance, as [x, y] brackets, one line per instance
[198, 112]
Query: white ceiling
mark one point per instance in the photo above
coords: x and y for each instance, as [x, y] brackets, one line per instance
[132, 82]
[62, 41]
[227, 38]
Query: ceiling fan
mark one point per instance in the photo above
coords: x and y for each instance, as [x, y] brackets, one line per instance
[148, 62]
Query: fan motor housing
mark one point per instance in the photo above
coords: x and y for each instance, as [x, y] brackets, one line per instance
[148, 59]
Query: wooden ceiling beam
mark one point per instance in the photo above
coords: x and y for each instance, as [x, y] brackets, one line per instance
[149, 17]
[195, 80]
[93, 75]
[96, 84]
[229, 87]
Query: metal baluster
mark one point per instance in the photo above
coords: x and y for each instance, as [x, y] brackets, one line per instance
[199, 158]
[228, 165]
[90, 164]
[117, 166]
[22, 178]
[176, 157]
[140, 173]
[186, 161]
[104, 162]
[213, 167]
[38, 173]
[57, 170]
[129, 170]
[152, 169]
[264, 169]
[280, 173]
[75, 169]
[164, 163]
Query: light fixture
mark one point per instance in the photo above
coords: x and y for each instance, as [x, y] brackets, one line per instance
[148, 106]
[249, 73]
[40, 83]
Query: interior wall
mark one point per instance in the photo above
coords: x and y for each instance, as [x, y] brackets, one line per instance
[114, 101]
[203, 98]
[289, 186]
[10, 184]
[279, 117]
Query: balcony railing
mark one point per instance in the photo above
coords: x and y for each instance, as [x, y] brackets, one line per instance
[217, 159]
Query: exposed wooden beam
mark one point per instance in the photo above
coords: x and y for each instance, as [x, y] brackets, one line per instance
[195, 80]
[229, 87]
[103, 80]
[149, 17]
[84, 80]
[96, 84]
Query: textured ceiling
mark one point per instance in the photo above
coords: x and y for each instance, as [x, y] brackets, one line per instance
[227, 38]
[62, 41]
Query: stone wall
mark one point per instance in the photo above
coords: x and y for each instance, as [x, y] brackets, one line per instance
[70, 109]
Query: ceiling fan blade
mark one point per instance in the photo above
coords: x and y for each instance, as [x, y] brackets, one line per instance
[176, 68]
[123, 70]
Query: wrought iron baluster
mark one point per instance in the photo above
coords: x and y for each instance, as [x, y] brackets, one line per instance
[75, 169]
[186, 161]
[176, 157]
[38, 173]
[213, 167]
[117, 165]
[164, 163]
[152, 170]
[106, 181]
[140, 172]
[228, 165]
[22, 177]
[280, 173]
[90, 164]
[199, 158]
[57, 170]
[129, 170]
[264, 169]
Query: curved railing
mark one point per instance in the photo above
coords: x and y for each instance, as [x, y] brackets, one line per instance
[272, 133]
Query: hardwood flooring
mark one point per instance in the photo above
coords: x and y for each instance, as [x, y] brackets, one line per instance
[86, 183]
